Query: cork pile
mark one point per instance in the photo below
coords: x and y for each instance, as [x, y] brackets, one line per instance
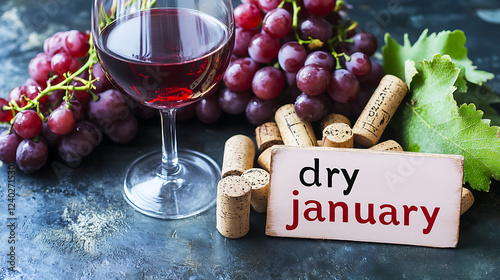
[244, 186]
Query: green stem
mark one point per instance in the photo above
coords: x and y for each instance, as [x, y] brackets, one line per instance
[63, 85]
[339, 5]
[295, 23]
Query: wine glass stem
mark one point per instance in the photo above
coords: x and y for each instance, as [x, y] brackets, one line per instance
[170, 160]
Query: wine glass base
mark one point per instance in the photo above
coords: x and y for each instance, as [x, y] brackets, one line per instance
[192, 190]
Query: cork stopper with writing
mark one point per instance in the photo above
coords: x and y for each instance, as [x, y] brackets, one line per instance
[267, 135]
[259, 180]
[389, 145]
[233, 207]
[338, 135]
[379, 110]
[294, 130]
[239, 155]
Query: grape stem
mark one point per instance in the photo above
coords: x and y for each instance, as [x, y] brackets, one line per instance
[312, 43]
[88, 85]
[295, 23]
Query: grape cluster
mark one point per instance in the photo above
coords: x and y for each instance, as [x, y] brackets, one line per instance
[306, 52]
[67, 105]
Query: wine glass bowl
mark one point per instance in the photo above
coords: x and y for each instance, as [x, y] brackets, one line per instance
[166, 54]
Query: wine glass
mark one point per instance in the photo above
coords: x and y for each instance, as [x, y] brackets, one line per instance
[166, 54]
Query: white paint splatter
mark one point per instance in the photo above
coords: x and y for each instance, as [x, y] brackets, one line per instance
[87, 227]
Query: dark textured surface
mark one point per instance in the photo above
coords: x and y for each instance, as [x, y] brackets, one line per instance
[74, 224]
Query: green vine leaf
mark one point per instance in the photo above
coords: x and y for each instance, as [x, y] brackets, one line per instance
[430, 121]
[483, 97]
[451, 43]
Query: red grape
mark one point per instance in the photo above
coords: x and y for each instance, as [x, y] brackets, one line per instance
[8, 146]
[27, 124]
[247, 15]
[17, 94]
[312, 108]
[208, 109]
[344, 86]
[123, 131]
[268, 5]
[268, 83]
[102, 82]
[89, 132]
[81, 95]
[259, 111]
[242, 39]
[263, 48]
[346, 48]
[111, 106]
[359, 64]
[79, 143]
[55, 43]
[316, 28]
[40, 68]
[55, 98]
[313, 79]
[234, 102]
[31, 82]
[372, 79]
[51, 138]
[365, 42]
[77, 43]
[5, 115]
[319, 7]
[31, 155]
[239, 74]
[63, 63]
[292, 56]
[61, 121]
[321, 58]
[277, 23]
[32, 92]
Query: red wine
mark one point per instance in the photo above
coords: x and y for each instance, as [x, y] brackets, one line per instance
[165, 58]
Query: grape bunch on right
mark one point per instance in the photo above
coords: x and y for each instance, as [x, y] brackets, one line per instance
[305, 52]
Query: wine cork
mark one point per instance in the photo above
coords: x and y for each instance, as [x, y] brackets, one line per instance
[294, 130]
[258, 179]
[379, 110]
[264, 159]
[233, 206]
[389, 145]
[338, 135]
[467, 200]
[239, 154]
[267, 135]
[334, 118]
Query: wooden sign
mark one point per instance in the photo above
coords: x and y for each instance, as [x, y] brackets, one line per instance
[365, 195]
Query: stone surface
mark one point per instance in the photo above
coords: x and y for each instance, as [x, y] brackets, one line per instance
[74, 223]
